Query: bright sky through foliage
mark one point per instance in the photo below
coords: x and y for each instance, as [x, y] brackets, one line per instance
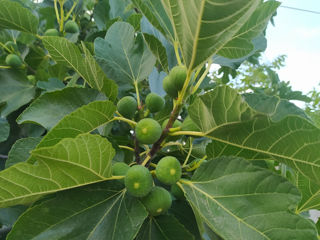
[297, 35]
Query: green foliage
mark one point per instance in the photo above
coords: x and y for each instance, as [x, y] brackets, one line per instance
[138, 181]
[83, 115]
[158, 201]
[148, 131]
[127, 106]
[168, 170]
[154, 102]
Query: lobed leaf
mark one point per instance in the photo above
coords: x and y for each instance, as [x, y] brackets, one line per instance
[123, 57]
[15, 91]
[107, 214]
[154, 11]
[241, 43]
[203, 28]
[83, 120]
[65, 52]
[4, 129]
[163, 227]
[48, 109]
[71, 163]
[14, 16]
[236, 129]
[238, 200]
[20, 150]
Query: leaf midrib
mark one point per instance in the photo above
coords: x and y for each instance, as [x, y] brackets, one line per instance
[227, 210]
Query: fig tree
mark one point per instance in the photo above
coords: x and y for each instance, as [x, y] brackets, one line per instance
[127, 106]
[52, 32]
[169, 87]
[71, 27]
[154, 102]
[158, 201]
[168, 170]
[13, 60]
[138, 181]
[178, 75]
[148, 131]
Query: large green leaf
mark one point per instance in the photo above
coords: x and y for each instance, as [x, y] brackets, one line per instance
[155, 13]
[236, 129]
[310, 192]
[83, 120]
[4, 129]
[97, 212]
[203, 28]
[51, 107]
[15, 90]
[158, 50]
[163, 227]
[14, 16]
[123, 57]
[241, 44]
[20, 151]
[238, 200]
[65, 52]
[71, 163]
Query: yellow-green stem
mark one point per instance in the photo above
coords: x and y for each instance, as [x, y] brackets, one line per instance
[125, 120]
[70, 11]
[189, 133]
[61, 2]
[137, 93]
[189, 153]
[5, 67]
[176, 50]
[56, 10]
[126, 147]
[197, 164]
[5, 47]
[195, 88]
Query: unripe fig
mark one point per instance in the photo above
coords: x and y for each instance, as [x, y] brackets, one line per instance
[148, 131]
[154, 102]
[120, 169]
[32, 78]
[178, 75]
[13, 60]
[158, 201]
[138, 181]
[71, 27]
[169, 87]
[127, 106]
[176, 191]
[52, 32]
[168, 170]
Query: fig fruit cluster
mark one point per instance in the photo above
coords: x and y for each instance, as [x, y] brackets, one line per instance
[139, 183]
[174, 81]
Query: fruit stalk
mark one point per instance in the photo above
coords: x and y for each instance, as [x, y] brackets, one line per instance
[174, 114]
